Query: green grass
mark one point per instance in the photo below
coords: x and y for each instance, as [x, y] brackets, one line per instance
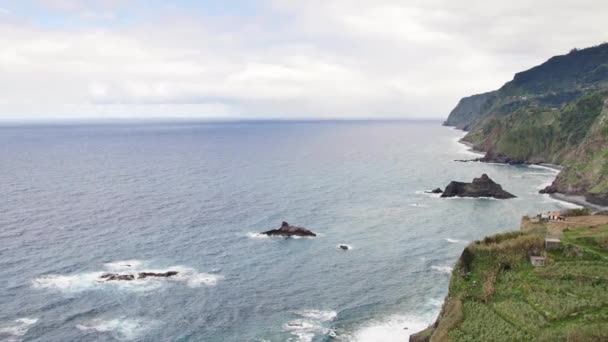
[504, 298]
[593, 240]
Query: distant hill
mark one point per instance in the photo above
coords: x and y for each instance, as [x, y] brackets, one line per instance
[556, 112]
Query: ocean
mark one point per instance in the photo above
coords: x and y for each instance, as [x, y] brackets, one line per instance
[79, 200]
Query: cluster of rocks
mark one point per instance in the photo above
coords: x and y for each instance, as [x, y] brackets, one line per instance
[140, 275]
[288, 230]
[483, 186]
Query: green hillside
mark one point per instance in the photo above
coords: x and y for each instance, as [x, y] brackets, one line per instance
[554, 113]
[497, 295]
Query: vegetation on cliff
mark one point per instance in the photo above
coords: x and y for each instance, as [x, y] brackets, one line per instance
[556, 112]
[497, 295]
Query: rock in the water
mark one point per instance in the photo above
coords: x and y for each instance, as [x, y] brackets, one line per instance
[288, 230]
[140, 275]
[143, 275]
[551, 189]
[493, 157]
[344, 247]
[480, 187]
[114, 276]
[435, 191]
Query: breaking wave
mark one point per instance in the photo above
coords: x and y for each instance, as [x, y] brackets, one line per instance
[443, 269]
[310, 324]
[18, 328]
[392, 329]
[455, 240]
[121, 328]
[92, 280]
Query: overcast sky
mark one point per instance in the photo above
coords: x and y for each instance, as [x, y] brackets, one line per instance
[274, 58]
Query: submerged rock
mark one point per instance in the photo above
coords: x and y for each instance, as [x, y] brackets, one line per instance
[288, 230]
[167, 274]
[114, 276]
[344, 247]
[140, 275]
[483, 186]
[435, 191]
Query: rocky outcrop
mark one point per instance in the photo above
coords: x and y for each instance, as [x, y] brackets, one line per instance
[143, 275]
[493, 157]
[140, 275]
[114, 276]
[435, 191]
[288, 230]
[483, 186]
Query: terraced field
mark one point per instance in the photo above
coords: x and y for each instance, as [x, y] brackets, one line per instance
[497, 295]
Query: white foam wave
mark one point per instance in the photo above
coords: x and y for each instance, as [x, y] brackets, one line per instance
[561, 203]
[541, 174]
[435, 302]
[547, 168]
[311, 324]
[392, 329]
[472, 198]
[443, 269]
[466, 149]
[92, 280]
[427, 193]
[455, 240]
[257, 235]
[123, 265]
[319, 315]
[417, 205]
[121, 328]
[16, 328]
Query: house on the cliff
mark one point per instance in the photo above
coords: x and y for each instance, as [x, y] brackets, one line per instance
[555, 216]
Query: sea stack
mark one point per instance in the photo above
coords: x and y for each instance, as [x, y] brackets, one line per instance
[288, 230]
[483, 186]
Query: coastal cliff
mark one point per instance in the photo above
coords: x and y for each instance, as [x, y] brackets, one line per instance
[555, 113]
[495, 294]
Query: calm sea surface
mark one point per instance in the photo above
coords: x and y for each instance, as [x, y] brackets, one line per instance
[80, 200]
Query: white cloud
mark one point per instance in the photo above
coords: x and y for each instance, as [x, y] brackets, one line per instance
[297, 59]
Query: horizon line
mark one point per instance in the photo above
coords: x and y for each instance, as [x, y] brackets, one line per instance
[125, 120]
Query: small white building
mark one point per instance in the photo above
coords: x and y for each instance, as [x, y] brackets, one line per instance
[552, 243]
[537, 260]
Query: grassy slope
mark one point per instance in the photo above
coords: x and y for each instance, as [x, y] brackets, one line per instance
[496, 295]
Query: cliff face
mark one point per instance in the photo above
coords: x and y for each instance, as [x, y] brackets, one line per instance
[554, 113]
[468, 110]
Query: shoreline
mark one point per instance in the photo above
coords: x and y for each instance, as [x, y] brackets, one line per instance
[425, 334]
[572, 199]
[578, 200]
